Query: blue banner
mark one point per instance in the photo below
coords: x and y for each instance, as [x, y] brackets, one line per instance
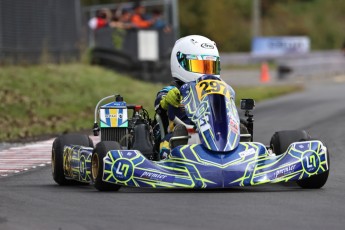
[280, 46]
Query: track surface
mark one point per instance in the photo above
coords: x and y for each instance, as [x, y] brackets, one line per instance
[32, 200]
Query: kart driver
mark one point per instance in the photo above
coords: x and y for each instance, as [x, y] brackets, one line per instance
[191, 57]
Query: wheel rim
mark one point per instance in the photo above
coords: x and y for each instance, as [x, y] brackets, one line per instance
[53, 161]
[95, 166]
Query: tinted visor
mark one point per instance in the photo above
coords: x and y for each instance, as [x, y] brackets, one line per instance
[204, 64]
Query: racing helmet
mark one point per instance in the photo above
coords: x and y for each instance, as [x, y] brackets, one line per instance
[194, 56]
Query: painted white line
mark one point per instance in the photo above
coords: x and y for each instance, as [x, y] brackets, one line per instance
[28, 156]
[21, 159]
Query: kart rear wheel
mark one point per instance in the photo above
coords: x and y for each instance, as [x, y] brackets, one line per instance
[281, 140]
[57, 155]
[99, 152]
[244, 130]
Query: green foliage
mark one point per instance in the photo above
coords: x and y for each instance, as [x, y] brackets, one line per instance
[51, 99]
[228, 22]
[222, 20]
[48, 99]
[259, 93]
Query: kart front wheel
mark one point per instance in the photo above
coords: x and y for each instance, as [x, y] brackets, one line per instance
[280, 142]
[99, 152]
[57, 155]
[316, 181]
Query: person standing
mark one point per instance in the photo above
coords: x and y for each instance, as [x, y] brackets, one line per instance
[138, 18]
[101, 19]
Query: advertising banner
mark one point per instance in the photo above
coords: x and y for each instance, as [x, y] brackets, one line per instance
[280, 46]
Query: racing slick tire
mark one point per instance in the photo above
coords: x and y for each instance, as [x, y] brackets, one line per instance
[316, 181]
[99, 152]
[280, 142]
[57, 155]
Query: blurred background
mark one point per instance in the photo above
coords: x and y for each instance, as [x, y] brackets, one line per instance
[58, 58]
[53, 52]
[246, 31]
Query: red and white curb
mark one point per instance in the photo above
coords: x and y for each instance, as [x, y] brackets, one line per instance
[29, 156]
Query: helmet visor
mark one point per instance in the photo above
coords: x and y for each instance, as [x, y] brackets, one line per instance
[204, 64]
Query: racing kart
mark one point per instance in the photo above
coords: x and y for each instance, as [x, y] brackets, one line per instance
[218, 152]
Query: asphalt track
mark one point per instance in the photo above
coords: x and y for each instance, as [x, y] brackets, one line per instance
[32, 200]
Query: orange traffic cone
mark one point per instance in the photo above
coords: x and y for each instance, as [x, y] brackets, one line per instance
[265, 73]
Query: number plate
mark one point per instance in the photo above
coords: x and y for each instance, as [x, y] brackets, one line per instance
[207, 87]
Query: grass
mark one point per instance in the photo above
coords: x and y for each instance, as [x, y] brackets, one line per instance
[260, 93]
[52, 99]
[254, 66]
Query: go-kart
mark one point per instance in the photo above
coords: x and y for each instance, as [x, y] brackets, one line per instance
[218, 152]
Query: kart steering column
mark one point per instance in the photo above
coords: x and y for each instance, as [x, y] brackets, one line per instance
[250, 123]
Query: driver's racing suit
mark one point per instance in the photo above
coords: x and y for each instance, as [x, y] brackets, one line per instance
[168, 107]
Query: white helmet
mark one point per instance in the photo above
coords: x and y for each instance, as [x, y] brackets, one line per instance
[194, 56]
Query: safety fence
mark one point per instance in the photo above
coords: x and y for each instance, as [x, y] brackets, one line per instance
[313, 64]
[39, 30]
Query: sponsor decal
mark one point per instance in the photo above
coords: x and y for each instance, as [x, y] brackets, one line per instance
[211, 58]
[194, 42]
[113, 116]
[123, 170]
[247, 152]
[157, 176]
[277, 46]
[302, 146]
[233, 126]
[82, 167]
[310, 162]
[201, 111]
[207, 46]
[67, 161]
[284, 171]
[191, 56]
[119, 103]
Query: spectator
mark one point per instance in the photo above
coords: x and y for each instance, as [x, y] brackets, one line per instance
[138, 18]
[159, 22]
[101, 20]
[123, 21]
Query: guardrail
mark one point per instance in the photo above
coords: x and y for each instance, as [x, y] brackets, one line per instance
[315, 63]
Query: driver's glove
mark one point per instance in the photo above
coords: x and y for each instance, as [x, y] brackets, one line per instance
[173, 98]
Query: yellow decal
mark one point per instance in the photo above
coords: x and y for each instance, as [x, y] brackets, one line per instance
[207, 87]
[113, 114]
[311, 161]
[124, 169]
